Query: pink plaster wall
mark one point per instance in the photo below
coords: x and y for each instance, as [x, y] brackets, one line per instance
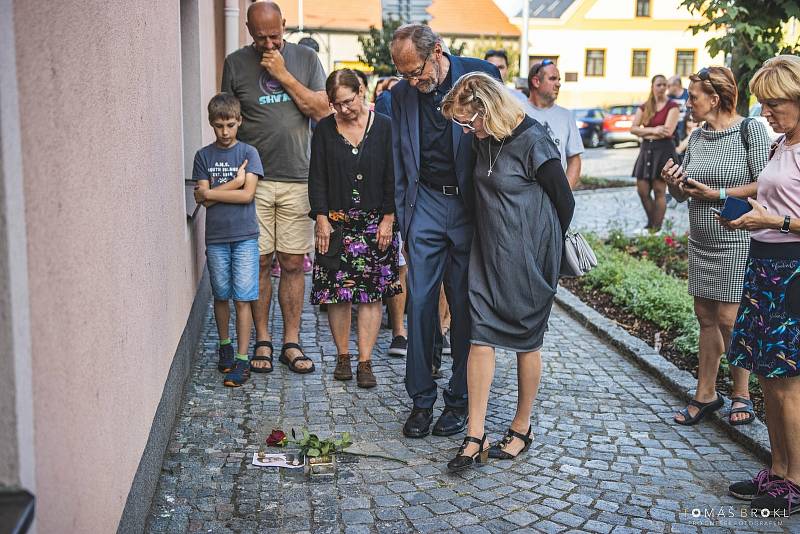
[113, 264]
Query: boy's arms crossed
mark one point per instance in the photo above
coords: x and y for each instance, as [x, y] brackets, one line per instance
[228, 193]
[237, 183]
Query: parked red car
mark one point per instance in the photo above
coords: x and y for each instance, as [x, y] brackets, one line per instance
[617, 125]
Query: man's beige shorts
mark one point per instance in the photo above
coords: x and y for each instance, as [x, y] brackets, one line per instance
[282, 211]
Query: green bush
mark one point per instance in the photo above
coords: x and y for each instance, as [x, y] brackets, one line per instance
[668, 251]
[643, 288]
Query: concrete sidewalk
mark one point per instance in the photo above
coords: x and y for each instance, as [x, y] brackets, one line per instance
[606, 456]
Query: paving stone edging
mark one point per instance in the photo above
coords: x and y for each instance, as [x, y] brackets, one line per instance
[753, 436]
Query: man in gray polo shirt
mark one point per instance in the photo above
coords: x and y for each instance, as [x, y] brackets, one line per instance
[544, 81]
[280, 86]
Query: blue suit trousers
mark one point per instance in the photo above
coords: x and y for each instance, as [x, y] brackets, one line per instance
[438, 242]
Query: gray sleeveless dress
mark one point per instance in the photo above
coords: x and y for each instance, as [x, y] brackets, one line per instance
[516, 249]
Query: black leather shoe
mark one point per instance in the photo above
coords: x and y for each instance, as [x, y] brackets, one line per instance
[418, 424]
[452, 421]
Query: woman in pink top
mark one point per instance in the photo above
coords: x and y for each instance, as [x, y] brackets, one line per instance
[766, 338]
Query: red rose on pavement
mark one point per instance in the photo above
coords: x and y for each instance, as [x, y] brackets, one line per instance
[277, 438]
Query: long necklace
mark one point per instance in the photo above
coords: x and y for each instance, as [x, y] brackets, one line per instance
[355, 148]
[492, 163]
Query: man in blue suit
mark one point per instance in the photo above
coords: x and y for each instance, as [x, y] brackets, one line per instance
[434, 200]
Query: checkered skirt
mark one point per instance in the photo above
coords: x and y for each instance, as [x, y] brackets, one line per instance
[718, 257]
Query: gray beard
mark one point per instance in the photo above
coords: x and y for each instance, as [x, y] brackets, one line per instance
[431, 86]
[428, 88]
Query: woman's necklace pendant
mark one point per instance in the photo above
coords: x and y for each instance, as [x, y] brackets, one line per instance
[493, 163]
[354, 151]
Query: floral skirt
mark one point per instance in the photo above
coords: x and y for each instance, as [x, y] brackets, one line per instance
[766, 336]
[366, 273]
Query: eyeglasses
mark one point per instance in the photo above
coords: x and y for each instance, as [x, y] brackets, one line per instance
[705, 75]
[417, 73]
[338, 106]
[540, 66]
[469, 125]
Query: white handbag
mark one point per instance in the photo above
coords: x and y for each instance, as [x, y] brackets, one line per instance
[578, 257]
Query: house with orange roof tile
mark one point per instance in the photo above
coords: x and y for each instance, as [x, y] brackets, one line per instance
[334, 25]
[607, 50]
[480, 24]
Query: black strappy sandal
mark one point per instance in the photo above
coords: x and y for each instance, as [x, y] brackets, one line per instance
[747, 408]
[463, 461]
[497, 450]
[292, 364]
[704, 408]
[257, 358]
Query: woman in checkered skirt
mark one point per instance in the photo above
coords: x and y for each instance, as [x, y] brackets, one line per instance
[724, 158]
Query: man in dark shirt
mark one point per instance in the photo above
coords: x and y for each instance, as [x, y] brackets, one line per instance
[435, 139]
[433, 161]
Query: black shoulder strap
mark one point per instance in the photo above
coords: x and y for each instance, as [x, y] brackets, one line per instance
[774, 146]
[743, 132]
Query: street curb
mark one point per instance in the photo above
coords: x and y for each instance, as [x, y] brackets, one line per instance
[753, 436]
[603, 190]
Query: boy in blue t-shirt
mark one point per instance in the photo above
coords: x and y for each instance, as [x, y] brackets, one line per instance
[227, 172]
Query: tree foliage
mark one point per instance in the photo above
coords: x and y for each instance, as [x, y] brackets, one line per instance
[376, 47]
[456, 49]
[480, 47]
[754, 32]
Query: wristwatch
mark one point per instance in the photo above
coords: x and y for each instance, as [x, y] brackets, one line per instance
[785, 228]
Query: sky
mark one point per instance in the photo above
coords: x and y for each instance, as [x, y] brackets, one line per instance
[509, 7]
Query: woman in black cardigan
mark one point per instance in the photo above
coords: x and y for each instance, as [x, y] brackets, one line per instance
[351, 191]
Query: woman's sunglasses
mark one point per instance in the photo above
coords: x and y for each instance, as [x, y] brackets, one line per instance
[469, 124]
[705, 75]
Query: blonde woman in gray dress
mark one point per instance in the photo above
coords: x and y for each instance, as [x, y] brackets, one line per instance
[724, 157]
[524, 206]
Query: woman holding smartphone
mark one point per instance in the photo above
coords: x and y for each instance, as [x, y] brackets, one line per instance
[765, 340]
[724, 157]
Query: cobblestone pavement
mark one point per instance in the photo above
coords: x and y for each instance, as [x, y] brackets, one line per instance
[609, 162]
[606, 457]
[600, 210]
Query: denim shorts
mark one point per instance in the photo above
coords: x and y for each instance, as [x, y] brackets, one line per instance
[234, 270]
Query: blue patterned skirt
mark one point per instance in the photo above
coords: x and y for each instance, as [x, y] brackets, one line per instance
[766, 336]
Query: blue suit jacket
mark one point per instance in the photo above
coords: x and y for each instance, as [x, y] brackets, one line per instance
[383, 104]
[405, 141]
